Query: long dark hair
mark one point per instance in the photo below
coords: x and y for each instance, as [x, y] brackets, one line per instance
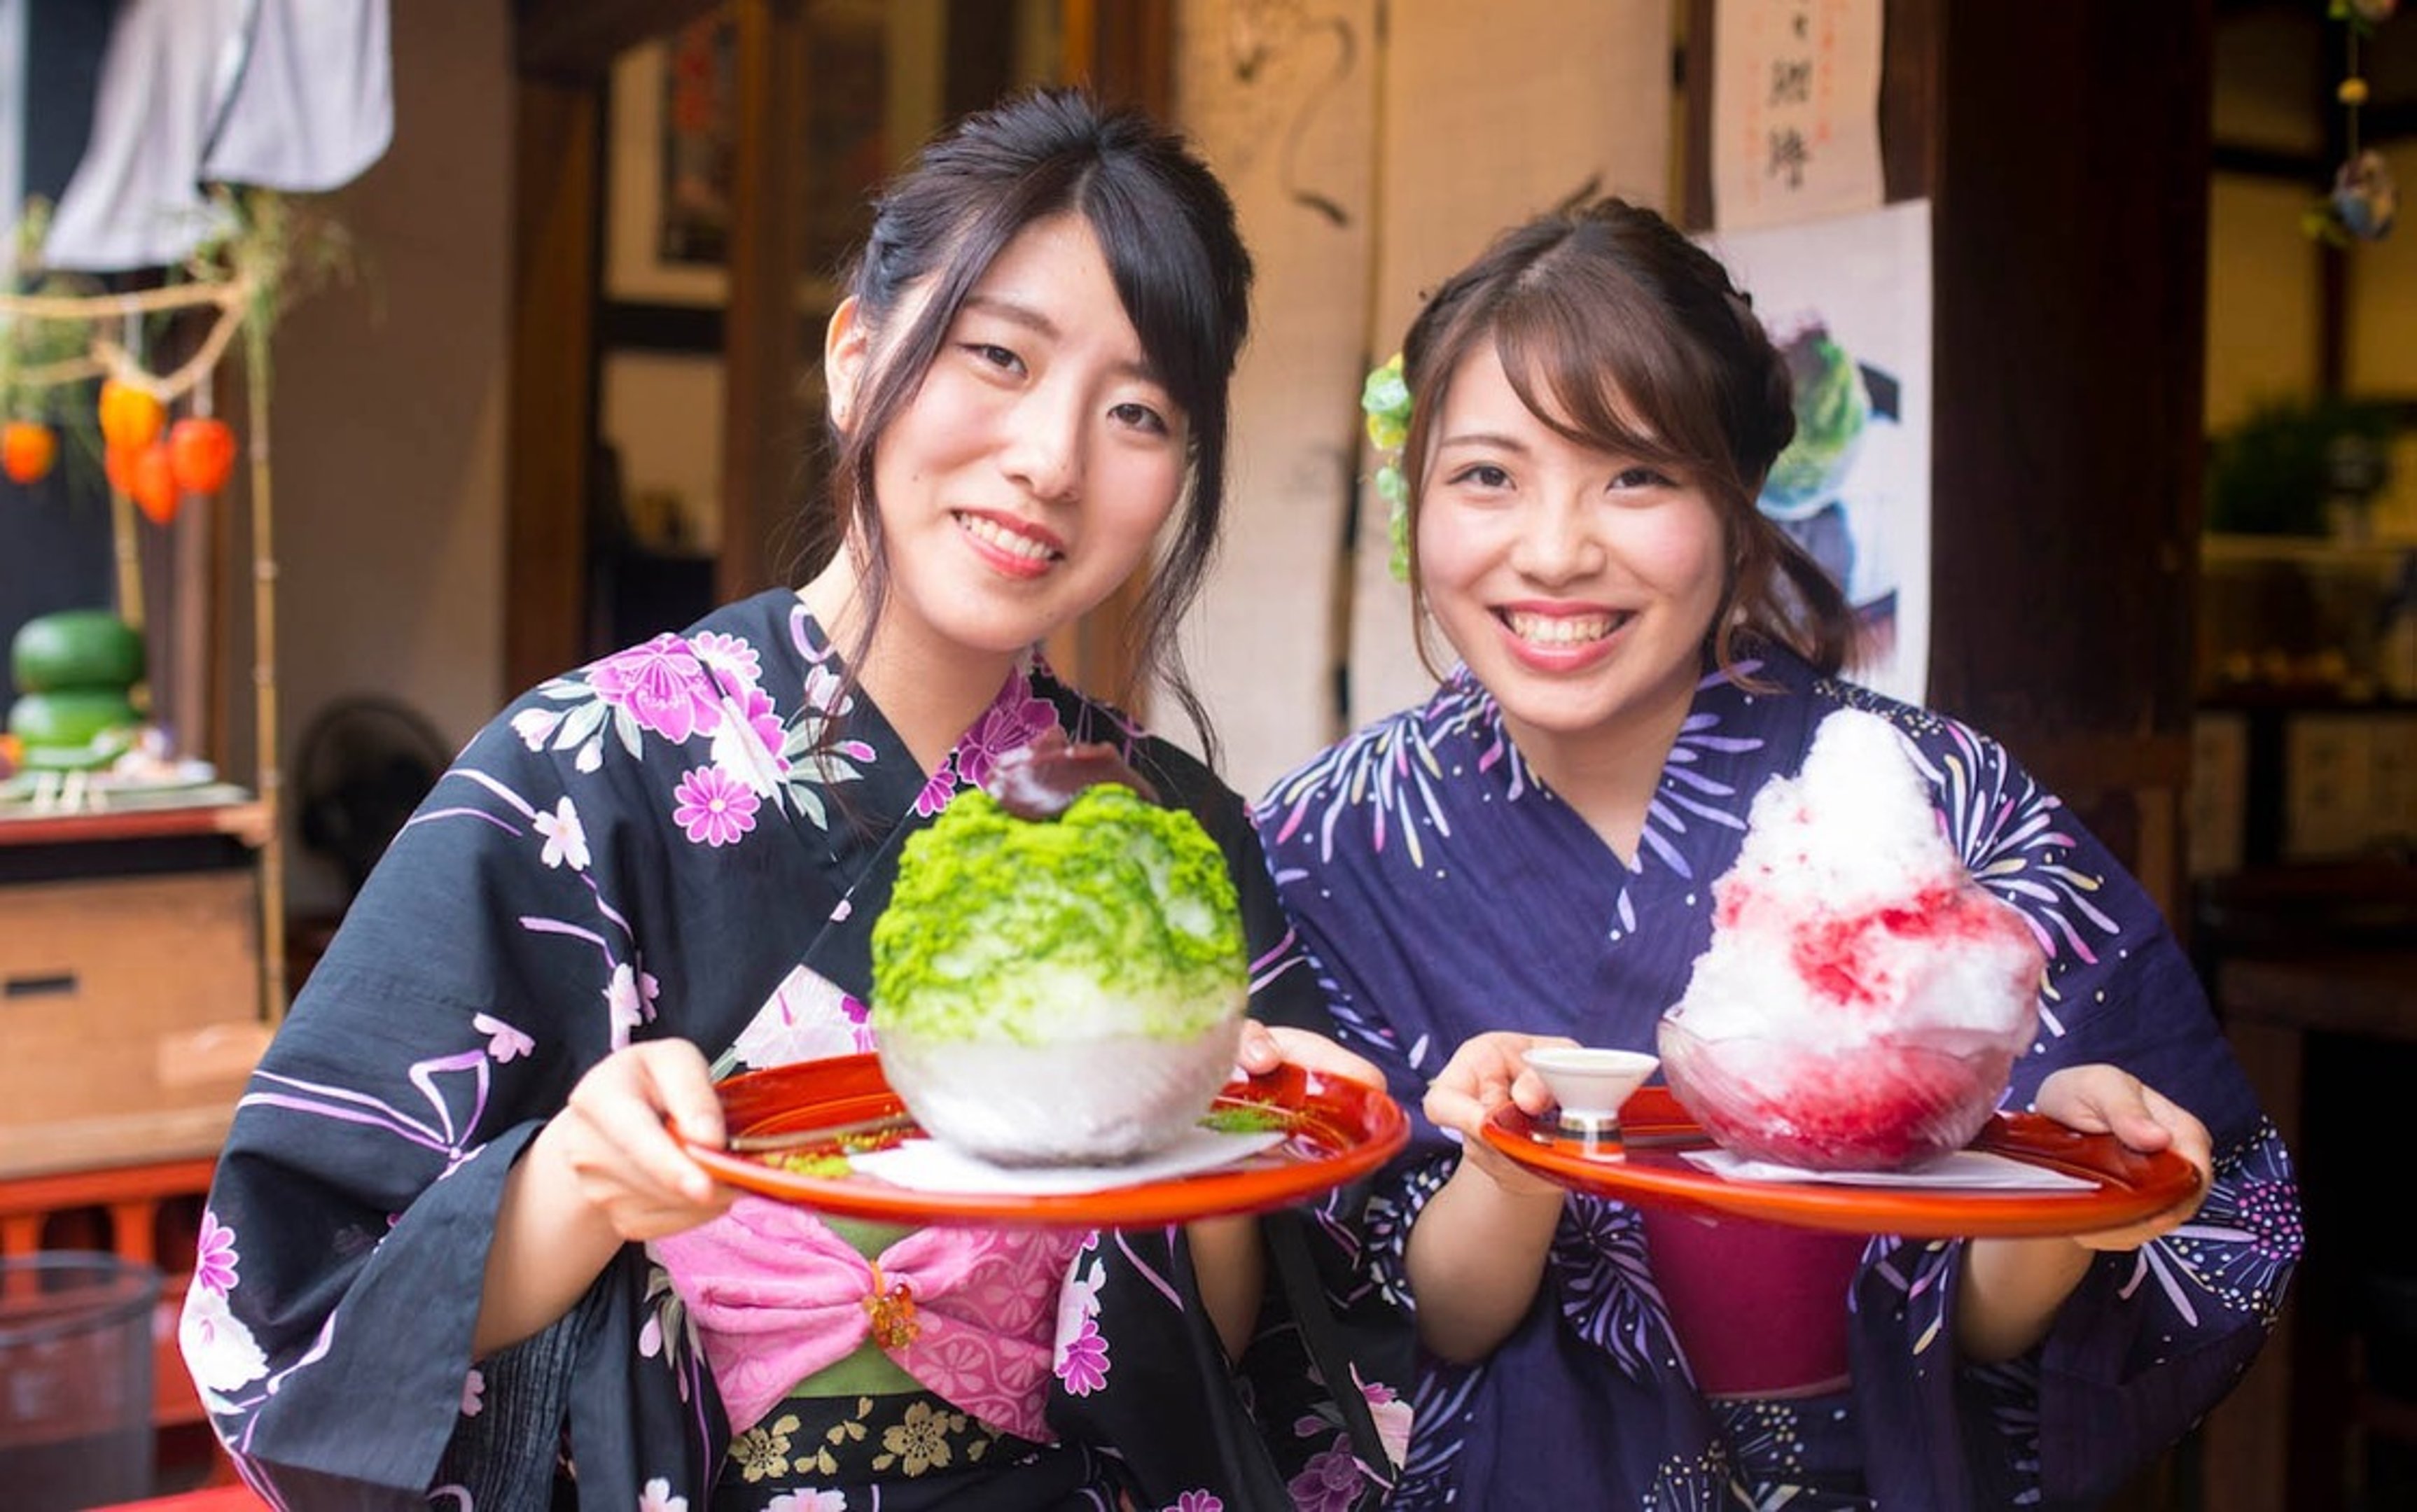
[1168, 230]
[1622, 335]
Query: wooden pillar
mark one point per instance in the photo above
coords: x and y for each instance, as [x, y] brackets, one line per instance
[557, 195]
[2070, 226]
[765, 428]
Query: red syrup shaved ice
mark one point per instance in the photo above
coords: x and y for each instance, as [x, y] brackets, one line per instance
[1863, 999]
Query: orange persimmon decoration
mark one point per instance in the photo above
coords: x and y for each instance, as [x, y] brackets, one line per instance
[129, 416]
[27, 448]
[151, 480]
[201, 451]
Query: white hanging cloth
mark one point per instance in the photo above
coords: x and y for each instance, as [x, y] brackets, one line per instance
[291, 95]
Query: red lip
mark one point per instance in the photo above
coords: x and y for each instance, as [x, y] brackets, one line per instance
[1000, 560]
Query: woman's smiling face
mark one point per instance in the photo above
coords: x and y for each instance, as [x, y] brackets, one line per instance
[1030, 474]
[1577, 584]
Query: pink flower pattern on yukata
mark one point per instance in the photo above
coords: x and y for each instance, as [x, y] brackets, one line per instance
[214, 1255]
[1082, 1361]
[730, 654]
[1197, 1501]
[807, 1016]
[504, 1042]
[1010, 723]
[1392, 1415]
[712, 807]
[566, 839]
[749, 747]
[658, 1497]
[1329, 1483]
[630, 997]
[537, 726]
[663, 687]
[1333, 1475]
[807, 1502]
[938, 788]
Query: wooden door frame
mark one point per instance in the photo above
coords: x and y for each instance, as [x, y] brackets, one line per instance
[563, 52]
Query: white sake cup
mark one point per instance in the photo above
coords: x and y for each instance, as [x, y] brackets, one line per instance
[1591, 1084]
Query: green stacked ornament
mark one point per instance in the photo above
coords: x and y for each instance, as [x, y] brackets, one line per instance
[76, 673]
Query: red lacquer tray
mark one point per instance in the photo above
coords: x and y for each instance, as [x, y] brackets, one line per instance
[1642, 1163]
[1335, 1131]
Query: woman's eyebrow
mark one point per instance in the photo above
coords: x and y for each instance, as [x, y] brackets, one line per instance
[1489, 439]
[1034, 321]
[1008, 310]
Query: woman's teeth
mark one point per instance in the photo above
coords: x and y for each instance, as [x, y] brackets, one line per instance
[994, 533]
[1561, 630]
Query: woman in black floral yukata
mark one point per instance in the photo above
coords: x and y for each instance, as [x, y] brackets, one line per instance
[452, 1254]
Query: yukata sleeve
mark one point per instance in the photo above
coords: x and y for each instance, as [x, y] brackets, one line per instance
[344, 1244]
[1343, 946]
[2152, 1339]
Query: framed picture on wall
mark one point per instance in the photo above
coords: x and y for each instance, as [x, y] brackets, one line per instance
[645, 152]
[671, 169]
[847, 140]
[697, 143]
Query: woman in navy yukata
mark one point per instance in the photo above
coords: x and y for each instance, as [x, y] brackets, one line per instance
[456, 1254]
[1527, 858]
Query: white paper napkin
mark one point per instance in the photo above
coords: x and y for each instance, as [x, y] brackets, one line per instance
[927, 1164]
[1962, 1169]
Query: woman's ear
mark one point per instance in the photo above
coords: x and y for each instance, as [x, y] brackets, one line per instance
[846, 346]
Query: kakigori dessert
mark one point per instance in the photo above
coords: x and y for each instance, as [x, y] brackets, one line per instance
[1862, 998]
[1061, 974]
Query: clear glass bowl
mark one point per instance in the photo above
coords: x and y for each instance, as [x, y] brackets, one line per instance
[1883, 1106]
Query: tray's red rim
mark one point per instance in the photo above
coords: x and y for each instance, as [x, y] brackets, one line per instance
[2132, 1183]
[1358, 1127]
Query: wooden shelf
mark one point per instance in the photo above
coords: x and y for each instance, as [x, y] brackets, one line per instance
[245, 820]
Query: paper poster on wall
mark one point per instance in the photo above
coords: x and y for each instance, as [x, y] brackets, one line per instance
[1848, 300]
[1796, 90]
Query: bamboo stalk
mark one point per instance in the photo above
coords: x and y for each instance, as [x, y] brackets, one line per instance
[263, 676]
[127, 558]
[83, 307]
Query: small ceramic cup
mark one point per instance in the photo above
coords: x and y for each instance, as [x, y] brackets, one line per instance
[1590, 1083]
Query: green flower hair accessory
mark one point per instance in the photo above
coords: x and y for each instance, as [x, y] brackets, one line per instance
[1386, 400]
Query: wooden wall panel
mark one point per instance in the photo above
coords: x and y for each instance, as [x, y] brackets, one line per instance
[2071, 258]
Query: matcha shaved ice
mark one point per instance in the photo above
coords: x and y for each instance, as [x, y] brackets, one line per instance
[1064, 988]
[1116, 917]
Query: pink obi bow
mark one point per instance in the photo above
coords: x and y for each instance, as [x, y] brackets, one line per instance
[971, 1313]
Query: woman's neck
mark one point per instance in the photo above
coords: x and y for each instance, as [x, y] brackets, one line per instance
[1606, 775]
[930, 694]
